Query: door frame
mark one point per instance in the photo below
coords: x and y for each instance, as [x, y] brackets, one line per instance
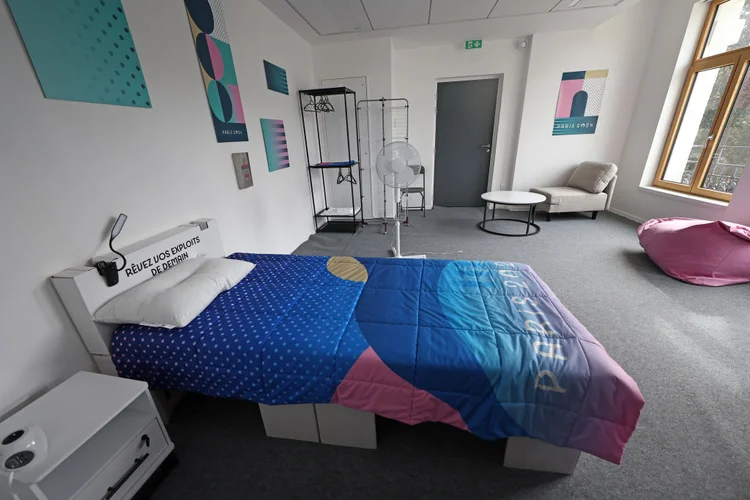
[500, 77]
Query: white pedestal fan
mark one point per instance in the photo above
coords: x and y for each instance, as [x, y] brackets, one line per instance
[398, 165]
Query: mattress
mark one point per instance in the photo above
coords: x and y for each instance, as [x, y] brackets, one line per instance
[483, 346]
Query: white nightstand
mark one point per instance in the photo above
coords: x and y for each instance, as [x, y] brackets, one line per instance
[105, 440]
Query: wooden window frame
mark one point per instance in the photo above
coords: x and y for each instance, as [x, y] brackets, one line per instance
[740, 60]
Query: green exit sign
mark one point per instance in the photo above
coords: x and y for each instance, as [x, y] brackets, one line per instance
[474, 44]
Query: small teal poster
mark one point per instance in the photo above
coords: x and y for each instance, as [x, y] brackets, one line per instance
[82, 50]
[276, 78]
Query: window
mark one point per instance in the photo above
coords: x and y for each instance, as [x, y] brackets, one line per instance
[708, 145]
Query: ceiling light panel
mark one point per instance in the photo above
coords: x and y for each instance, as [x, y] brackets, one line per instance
[446, 11]
[505, 8]
[585, 4]
[386, 14]
[328, 17]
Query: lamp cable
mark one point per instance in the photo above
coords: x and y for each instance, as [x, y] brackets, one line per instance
[124, 260]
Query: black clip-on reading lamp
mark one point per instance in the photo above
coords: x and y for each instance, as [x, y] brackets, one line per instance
[109, 269]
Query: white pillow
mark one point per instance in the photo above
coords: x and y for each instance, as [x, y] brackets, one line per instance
[174, 298]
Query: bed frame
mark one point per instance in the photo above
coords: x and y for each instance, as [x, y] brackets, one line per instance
[83, 291]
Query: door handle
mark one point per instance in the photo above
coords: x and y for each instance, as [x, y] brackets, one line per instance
[487, 147]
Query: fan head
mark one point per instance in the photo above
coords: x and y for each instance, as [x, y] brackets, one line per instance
[398, 164]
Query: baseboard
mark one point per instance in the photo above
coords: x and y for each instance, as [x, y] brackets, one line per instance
[627, 215]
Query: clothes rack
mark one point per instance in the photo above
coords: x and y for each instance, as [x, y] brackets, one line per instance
[364, 103]
[334, 218]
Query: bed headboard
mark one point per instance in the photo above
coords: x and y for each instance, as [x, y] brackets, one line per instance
[83, 291]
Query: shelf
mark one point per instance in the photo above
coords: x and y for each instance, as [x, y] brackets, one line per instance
[75, 473]
[335, 219]
[338, 212]
[107, 396]
[339, 227]
[333, 166]
[327, 91]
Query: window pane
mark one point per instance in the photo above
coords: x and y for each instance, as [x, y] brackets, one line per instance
[730, 29]
[700, 112]
[733, 151]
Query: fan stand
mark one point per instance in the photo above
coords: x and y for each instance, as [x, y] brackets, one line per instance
[396, 251]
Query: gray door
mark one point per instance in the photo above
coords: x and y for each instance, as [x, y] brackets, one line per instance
[465, 122]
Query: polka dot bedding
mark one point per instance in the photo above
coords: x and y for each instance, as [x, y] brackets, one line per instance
[483, 346]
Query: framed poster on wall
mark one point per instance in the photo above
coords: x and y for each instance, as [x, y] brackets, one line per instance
[211, 40]
[82, 50]
[276, 78]
[274, 137]
[579, 102]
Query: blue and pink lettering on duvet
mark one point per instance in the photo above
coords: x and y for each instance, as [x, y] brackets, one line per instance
[483, 346]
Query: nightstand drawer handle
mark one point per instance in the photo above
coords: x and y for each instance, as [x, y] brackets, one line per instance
[147, 440]
[113, 489]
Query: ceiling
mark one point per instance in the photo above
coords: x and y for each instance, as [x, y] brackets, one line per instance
[320, 20]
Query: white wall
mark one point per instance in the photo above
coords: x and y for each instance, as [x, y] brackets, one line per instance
[368, 58]
[667, 61]
[416, 72]
[644, 51]
[619, 45]
[364, 58]
[526, 152]
[413, 73]
[68, 167]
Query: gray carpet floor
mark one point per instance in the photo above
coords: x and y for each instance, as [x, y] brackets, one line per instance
[688, 348]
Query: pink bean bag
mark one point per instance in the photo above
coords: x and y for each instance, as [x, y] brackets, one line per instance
[710, 253]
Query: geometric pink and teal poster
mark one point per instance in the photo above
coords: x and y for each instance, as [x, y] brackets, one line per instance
[274, 137]
[579, 102]
[217, 68]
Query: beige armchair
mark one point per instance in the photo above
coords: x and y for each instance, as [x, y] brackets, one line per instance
[589, 189]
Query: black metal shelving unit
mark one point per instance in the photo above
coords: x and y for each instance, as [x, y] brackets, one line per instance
[335, 219]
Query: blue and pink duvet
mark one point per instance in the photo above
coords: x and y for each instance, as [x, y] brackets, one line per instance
[483, 346]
